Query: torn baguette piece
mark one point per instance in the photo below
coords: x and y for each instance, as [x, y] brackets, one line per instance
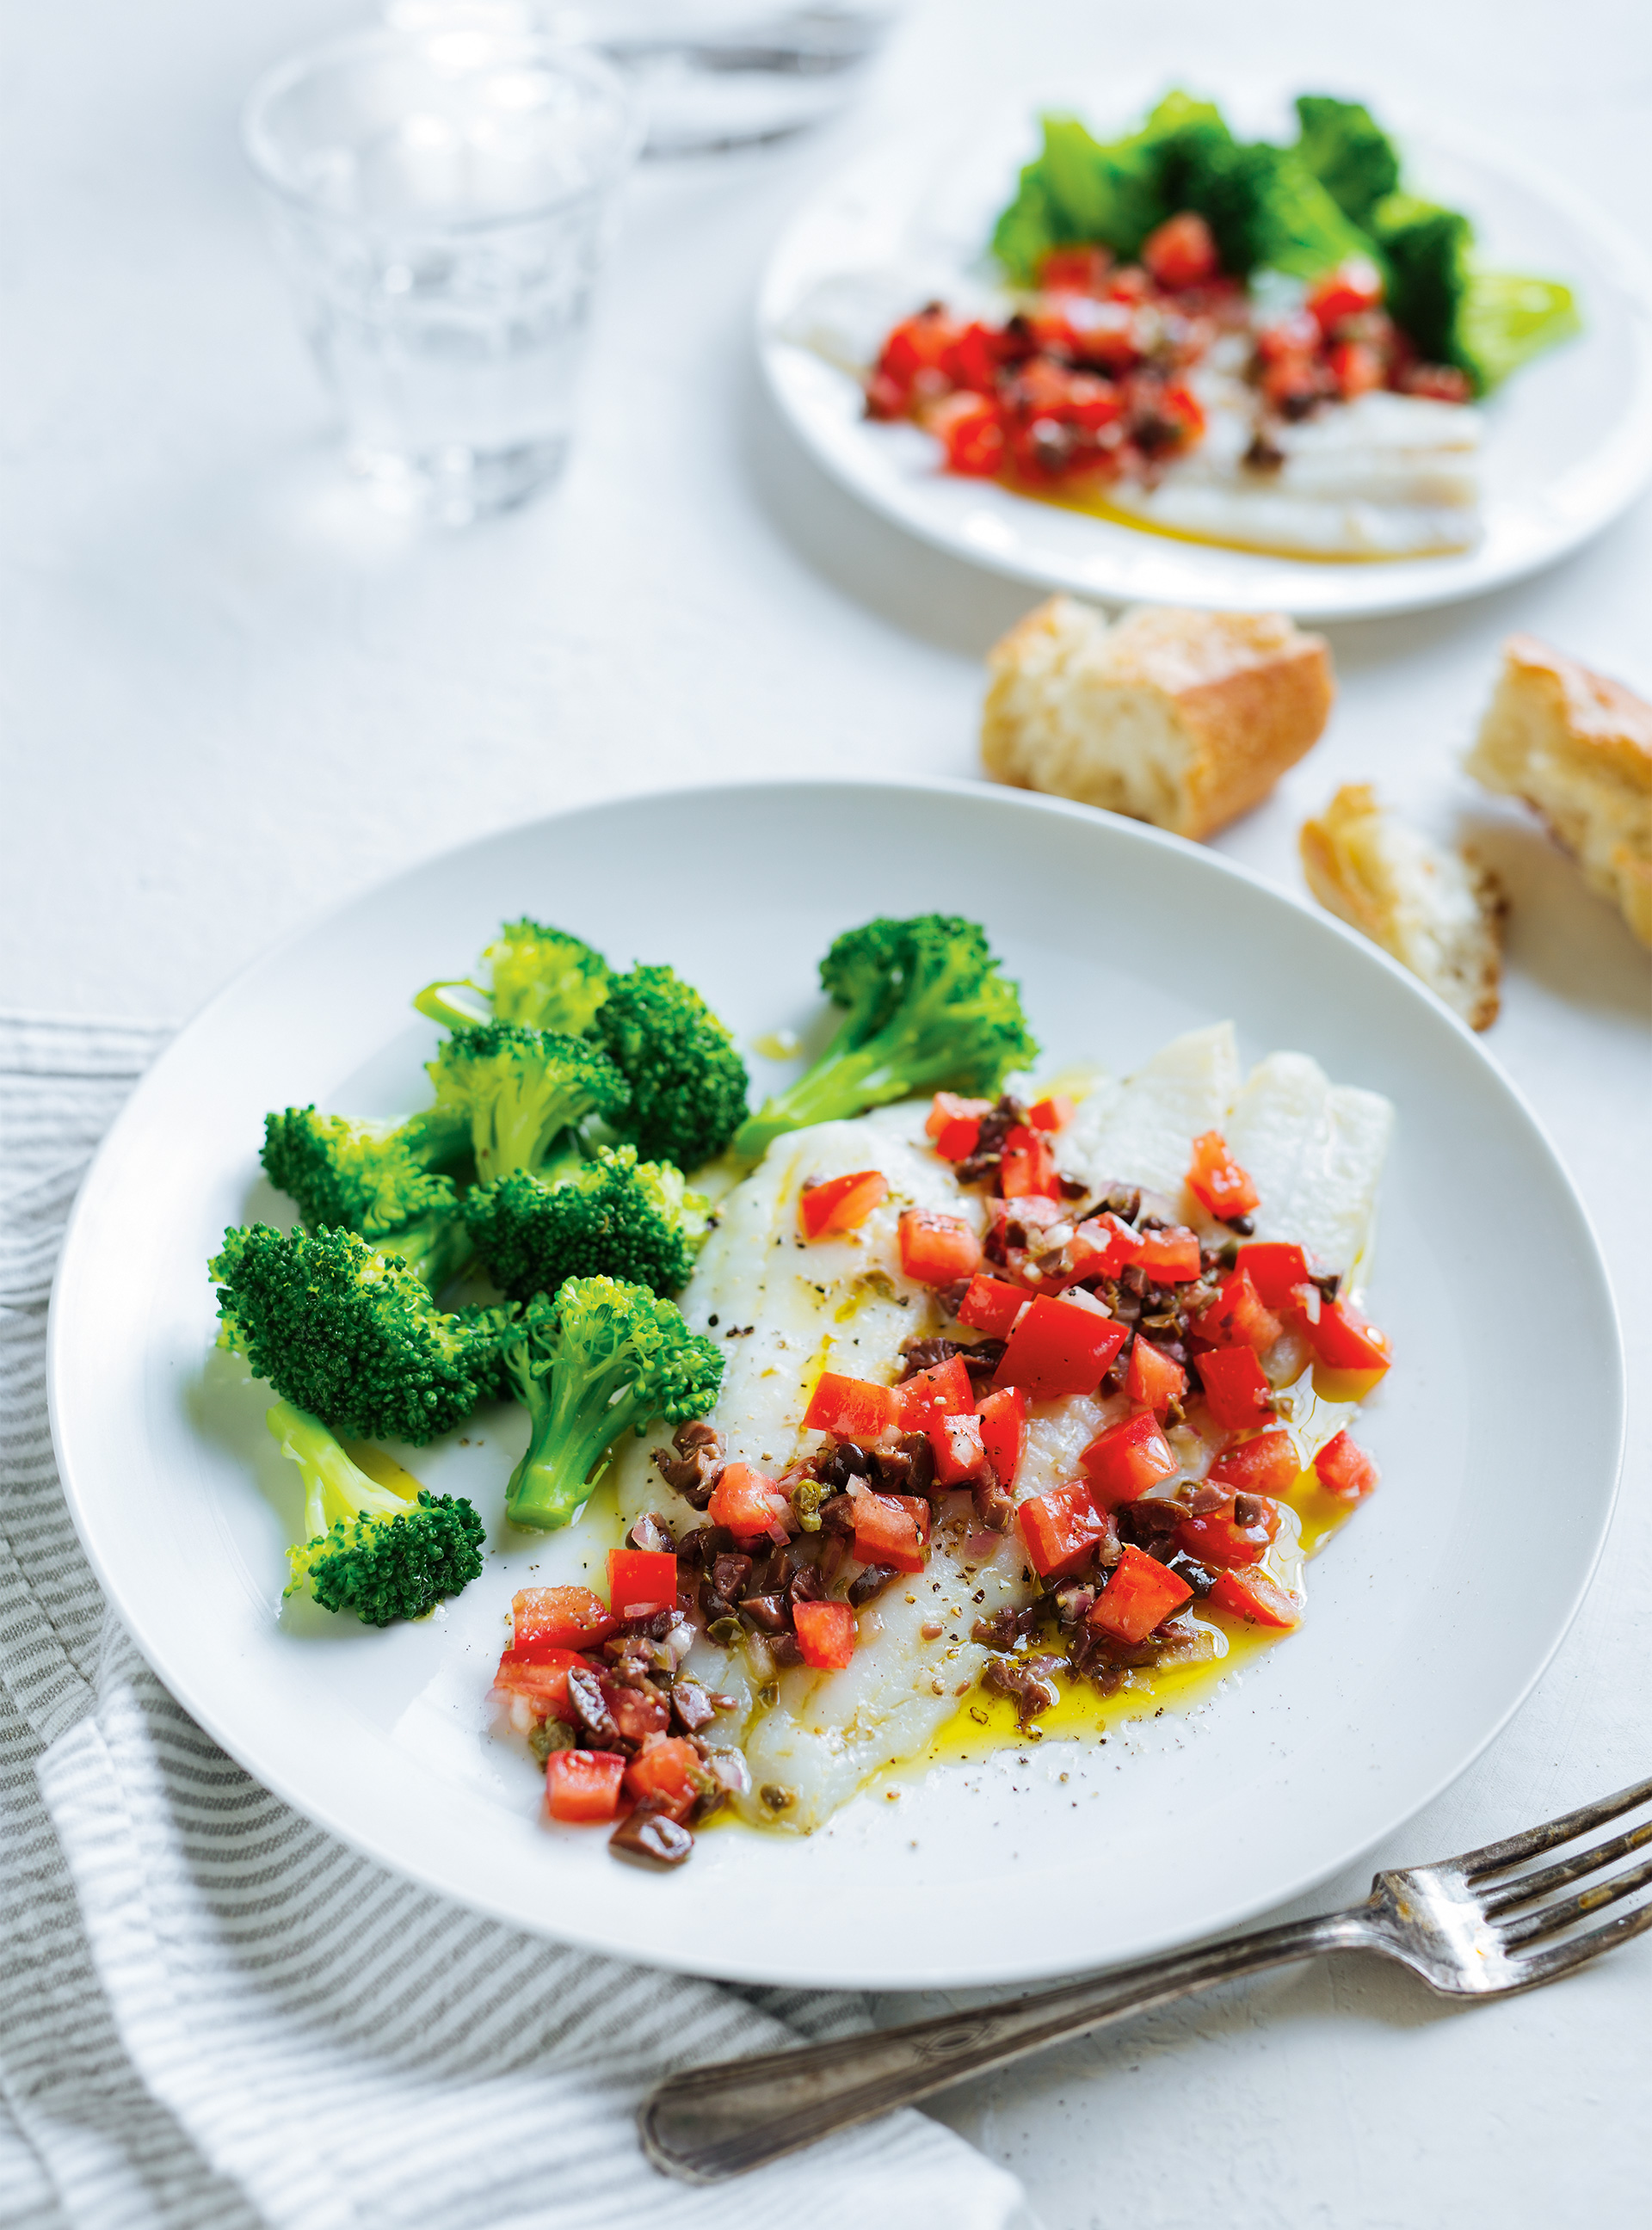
[1440, 913]
[1183, 718]
[1578, 749]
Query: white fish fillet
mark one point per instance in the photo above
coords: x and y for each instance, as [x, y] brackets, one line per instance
[843, 1303]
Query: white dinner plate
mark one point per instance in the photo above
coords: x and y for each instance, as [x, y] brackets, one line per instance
[1569, 439]
[1429, 1615]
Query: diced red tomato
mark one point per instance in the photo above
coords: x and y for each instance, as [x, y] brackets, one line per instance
[851, 1408]
[637, 1712]
[1217, 1181]
[1235, 1387]
[955, 1124]
[970, 429]
[642, 1580]
[990, 1306]
[1267, 1464]
[1352, 288]
[976, 356]
[1219, 1538]
[747, 1500]
[666, 1775]
[559, 1618]
[539, 1674]
[1054, 1113]
[1171, 1257]
[1140, 1595]
[583, 1784]
[943, 1390]
[1058, 1347]
[826, 1631]
[1274, 1268]
[1027, 1165]
[1182, 252]
[1059, 1528]
[917, 350]
[892, 1529]
[1248, 1593]
[840, 1203]
[1004, 1431]
[936, 1249]
[1345, 1469]
[1105, 1246]
[1440, 382]
[1127, 1458]
[1296, 334]
[1357, 368]
[1152, 1380]
[1237, 1317]
[1344, 1340]
[1296, 383]
[1074, 270]
[960, 1453]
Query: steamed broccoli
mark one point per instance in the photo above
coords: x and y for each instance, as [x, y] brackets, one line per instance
[689, 1085]
[352, 1337]
[520, 1087]
[1488, 323]
[542, 976]
[1265, 208]
[1080, 190]
[599, 1357]
[616, 1218]
[1348, 152]
[925, 1010]
[374, 1178]
[364, 1548]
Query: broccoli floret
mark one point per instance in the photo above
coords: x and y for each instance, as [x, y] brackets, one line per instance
[1426, 250]
[1264, 207]
[596, 1358]
[374, 1178]
[1487, 323]
[1348, 152]
[925, 1010]
[367, 1548]
[689, 1085]
[520, 1087]
[1080, 190]
[352, 1336]
[617, 1217]
[542, 976]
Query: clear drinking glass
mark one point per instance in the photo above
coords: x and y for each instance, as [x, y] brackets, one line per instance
[441, 201]
[716, 74]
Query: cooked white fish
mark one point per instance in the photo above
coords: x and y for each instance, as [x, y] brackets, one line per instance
[784, 1311]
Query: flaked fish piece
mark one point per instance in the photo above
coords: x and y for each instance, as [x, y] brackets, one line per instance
[1140, 1132]
[1315, 1152]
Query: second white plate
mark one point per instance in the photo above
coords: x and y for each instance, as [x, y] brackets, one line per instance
[1568, 441]
[1429, 1615]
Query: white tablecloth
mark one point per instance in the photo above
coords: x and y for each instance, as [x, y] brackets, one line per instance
[229, 697]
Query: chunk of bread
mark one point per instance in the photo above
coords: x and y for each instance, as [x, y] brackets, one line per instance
[1578, 749]
[1183, 719]
[1440, 913]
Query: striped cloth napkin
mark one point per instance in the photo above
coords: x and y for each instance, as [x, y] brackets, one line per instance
[213, 2013]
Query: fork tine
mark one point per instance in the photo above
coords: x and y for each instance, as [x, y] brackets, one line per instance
[1565, 1829]
[1526, 1887]
[1549, 1919]
[1561, 1958]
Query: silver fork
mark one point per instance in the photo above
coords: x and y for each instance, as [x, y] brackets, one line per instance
[1465, 1934]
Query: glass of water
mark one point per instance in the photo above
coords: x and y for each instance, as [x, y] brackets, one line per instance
[441, 201]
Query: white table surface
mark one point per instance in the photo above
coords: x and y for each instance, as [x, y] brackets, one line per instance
[229, 696]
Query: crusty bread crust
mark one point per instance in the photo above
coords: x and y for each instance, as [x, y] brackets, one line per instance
[1183, 719]
[1440, 913]
[1578, 748]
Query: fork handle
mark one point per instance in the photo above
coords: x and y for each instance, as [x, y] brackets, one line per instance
[711, 2122]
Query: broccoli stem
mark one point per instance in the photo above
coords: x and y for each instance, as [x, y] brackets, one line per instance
[334, 1487]
[454, 1014]
[437, 1248]
[572, 1422]
[836, 1088]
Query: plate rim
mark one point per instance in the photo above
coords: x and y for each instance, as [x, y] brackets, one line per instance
[1454, 582]
[801, 1974]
